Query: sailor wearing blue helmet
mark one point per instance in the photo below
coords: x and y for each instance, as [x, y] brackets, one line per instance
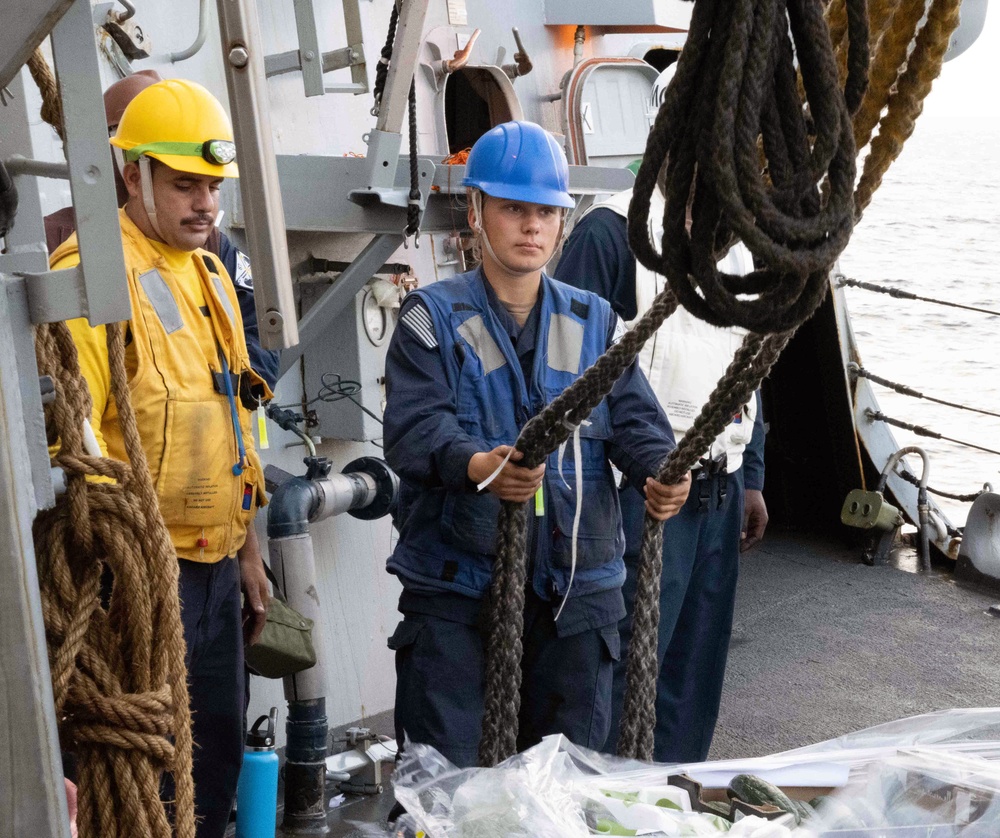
[475, 358]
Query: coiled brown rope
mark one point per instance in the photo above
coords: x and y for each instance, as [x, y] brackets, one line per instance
[49, 88]
[118, 673]
[903, 98]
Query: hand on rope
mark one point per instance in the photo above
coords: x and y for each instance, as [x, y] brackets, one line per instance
[118, 673]
[664, 500]
[507, 480]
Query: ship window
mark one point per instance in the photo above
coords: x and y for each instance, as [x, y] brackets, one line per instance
[473, 103]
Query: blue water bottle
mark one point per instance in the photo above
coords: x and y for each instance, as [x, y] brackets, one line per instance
[257, 790]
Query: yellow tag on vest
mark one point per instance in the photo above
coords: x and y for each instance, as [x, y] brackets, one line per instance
[262, 429]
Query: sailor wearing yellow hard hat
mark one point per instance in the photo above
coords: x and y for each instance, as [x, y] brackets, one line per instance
[186, 358]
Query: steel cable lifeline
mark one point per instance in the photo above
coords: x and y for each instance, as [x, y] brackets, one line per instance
[900, 294]
[919, 430]
[967, 498]
[857, 371]
[119, 679]
[728, 90]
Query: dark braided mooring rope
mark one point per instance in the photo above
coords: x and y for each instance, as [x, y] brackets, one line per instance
[735, 82]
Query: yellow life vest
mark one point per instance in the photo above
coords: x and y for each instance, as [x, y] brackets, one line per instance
[185, 425]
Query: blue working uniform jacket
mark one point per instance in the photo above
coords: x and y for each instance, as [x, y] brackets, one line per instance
[455, 387]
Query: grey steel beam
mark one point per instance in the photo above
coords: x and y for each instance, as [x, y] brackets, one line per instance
[309, 55]
[26, 23]
[384, 142]
[340, 294]
[356, 40]
[289, 62]
[23, 339]
[20, 165]
[265, 219]
[59, 295]
[32, 799]
[26, 249]
[405, 51]
[330, 209]
[105, 299]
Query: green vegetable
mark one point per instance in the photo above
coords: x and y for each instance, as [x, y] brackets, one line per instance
[758, 792]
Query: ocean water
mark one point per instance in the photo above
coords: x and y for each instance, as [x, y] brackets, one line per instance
[933, 229]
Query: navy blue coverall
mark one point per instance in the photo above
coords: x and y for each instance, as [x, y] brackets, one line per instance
[700, 544]
[567, 665]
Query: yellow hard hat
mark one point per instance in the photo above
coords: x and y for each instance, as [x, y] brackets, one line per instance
[180, 124]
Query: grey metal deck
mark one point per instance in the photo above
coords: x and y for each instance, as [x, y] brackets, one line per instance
[824, 645]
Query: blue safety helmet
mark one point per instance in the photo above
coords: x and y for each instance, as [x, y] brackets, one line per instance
[520, 161]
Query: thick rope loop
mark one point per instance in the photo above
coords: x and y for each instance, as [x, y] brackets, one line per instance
[118, 673]
[735, 82]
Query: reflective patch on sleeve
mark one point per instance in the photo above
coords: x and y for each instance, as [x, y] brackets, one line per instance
[158, 293]
[417, 320]
[565, 344]
[243, 278]
[221, 291]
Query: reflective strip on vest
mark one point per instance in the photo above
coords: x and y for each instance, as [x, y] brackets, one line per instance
[223, 297]
[478, 337]
[565, 344]
[164, 304]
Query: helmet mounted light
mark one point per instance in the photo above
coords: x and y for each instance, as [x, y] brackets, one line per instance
[216, 152]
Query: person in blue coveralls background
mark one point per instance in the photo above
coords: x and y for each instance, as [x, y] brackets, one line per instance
[725, 513]
[474, 358]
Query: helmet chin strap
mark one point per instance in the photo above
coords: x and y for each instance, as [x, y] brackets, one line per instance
[148, 199]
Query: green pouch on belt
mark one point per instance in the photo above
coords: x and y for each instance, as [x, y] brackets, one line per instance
[285, 646]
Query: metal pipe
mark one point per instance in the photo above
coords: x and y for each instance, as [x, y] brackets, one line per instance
[923, 504]
[461, 58]
[199, 41]
[129, 11]
[342, 492]
[522, 61]
[297, 502]
[17, 164]
[579, 38]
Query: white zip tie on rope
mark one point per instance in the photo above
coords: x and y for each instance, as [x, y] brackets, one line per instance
[499, 468]
[577, 456]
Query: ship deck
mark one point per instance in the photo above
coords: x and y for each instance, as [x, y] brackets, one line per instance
[824, 645]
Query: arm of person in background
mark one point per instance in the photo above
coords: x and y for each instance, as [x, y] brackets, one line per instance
[596, 258]
[264, 361]
[754, 508]
[424, 442]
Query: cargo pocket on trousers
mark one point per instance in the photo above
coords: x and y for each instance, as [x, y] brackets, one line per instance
[405, 635]
[600, 720]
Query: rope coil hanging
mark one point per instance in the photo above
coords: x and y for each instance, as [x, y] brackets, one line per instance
[118, 672]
